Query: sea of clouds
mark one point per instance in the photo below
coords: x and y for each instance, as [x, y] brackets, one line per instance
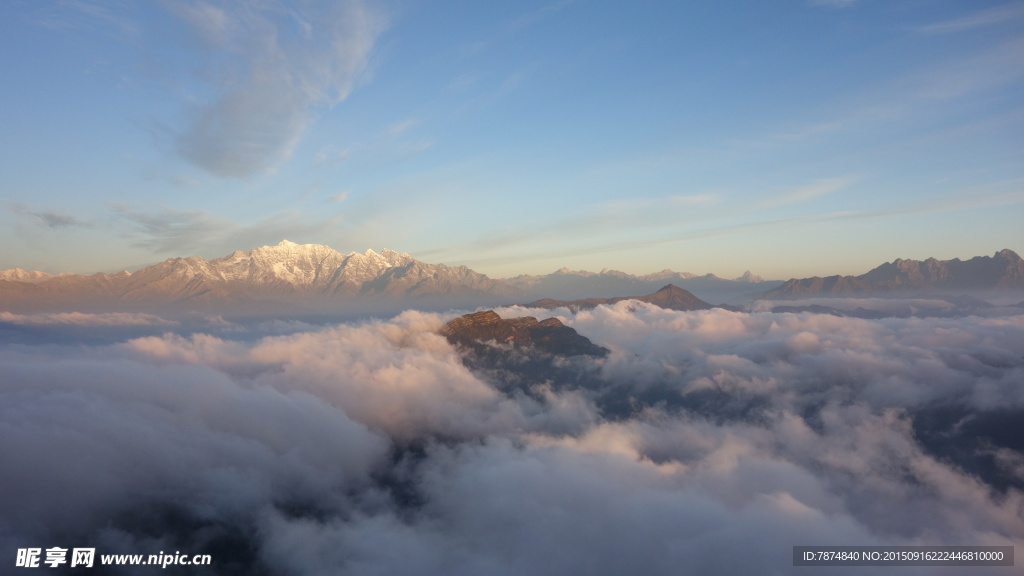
[370, 448]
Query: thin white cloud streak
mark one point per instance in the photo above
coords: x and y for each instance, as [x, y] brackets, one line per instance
[982, 18]
[290, 442]
[84, 319]
[52, 219]
[273, 65]
[637, 215]
[994, 194]
[178, 232]
[689, 233]
[850, 304]
[540, 14]
[795, 135]
[833, 3]
[990, 69]
[400, 127]
[917, 92]
[169, 230]
[813, 190]
[391, 143]
[112, 16]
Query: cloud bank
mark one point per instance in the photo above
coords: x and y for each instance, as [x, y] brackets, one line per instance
[371, 449]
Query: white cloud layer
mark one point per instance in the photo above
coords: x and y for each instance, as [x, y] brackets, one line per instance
[371, 449]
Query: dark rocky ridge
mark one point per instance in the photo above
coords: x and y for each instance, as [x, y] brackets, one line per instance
[524, 356]
[527, 356]
[549, 336]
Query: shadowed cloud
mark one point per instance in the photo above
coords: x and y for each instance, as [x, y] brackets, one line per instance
[370, 448]
[48, 218]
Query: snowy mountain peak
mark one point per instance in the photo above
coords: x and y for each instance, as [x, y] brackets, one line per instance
[286, 251]
[19, 275]
[286, 246]
[287, 273]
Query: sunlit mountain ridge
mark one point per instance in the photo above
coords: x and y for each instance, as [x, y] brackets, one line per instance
[290, 277]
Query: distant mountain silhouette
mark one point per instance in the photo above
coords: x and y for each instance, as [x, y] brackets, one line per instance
[670, 297]
[570, 285]
[1002, 271]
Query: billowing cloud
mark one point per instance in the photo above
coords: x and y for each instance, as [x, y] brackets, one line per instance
[271, 66]
[891, 362]
[370, 448]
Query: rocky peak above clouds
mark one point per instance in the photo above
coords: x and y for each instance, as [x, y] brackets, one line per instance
[670, 297]
[482, 329]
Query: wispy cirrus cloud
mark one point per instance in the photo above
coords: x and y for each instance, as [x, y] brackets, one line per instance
[833, 3]
[261, 72]
[113, 16]
[52, 219]
[271, 65]
[395, 141]
[983, 72]
[170, 230]
[588, 225]
[810, 191]
[174, 231]
[641, 223]
[540, 13]
[86, 319]
[795, 135]
[979, 19]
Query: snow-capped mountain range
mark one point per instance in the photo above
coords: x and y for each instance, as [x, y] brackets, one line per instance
[287, 273]
[317, 278]
[313, 278]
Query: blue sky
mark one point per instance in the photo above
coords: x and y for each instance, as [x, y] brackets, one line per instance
[792, 138]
